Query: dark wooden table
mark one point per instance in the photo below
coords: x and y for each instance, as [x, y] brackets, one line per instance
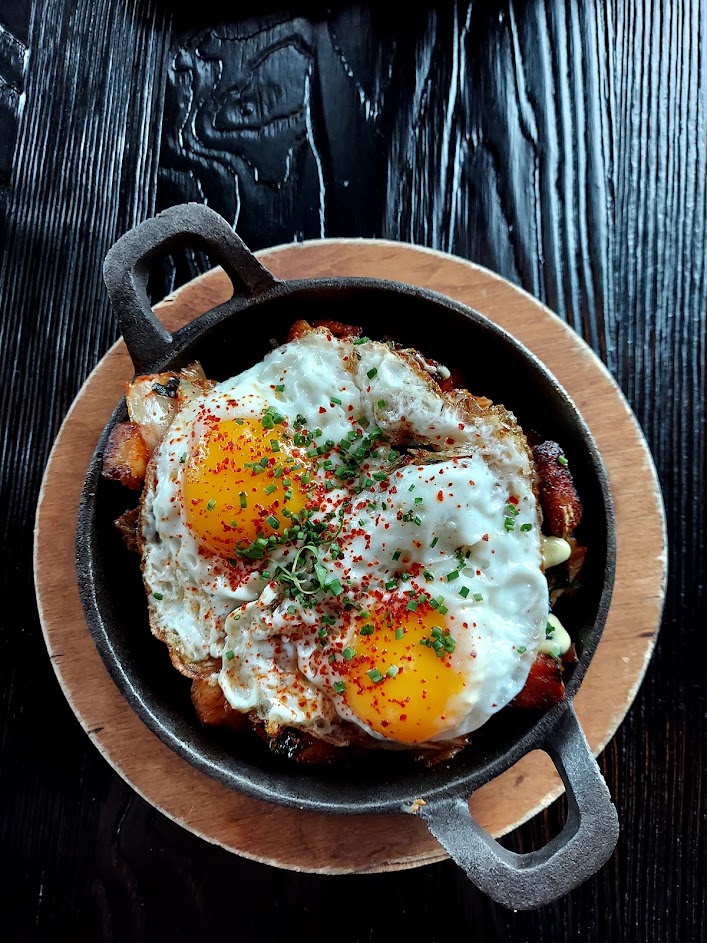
[563, 144]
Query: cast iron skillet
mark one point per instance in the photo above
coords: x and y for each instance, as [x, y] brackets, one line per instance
[230, 338]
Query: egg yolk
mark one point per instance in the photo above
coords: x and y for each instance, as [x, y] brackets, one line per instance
[396, 683]
[240, 483]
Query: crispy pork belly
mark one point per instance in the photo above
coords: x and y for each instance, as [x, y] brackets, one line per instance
[126, 456]
[558, 495]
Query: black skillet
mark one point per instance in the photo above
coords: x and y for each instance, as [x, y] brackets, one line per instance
[236, 335]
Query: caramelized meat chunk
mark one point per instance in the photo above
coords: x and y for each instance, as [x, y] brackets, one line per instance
[127, 528]
[126, 456]
[298, 329]
[340, 330]
[544, 686]
[337, 328]
[558, 496]
[301, 747]
[212, 708]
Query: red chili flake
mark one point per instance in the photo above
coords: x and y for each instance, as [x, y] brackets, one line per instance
[485, 537]
[461, 425]
[449, 440]
[513, 500]
[321, 409]
[440, 496]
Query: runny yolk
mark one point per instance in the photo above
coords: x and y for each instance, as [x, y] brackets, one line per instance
[237, 483]
[417, 702]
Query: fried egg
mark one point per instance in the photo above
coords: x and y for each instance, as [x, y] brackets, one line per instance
[346, 549]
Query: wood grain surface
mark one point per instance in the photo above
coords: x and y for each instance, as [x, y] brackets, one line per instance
[365, 844]
[562, 144]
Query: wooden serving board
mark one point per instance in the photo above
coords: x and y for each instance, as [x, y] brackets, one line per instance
[311, 841]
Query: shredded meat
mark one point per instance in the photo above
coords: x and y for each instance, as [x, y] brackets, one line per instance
[126, 456]
[558, 496]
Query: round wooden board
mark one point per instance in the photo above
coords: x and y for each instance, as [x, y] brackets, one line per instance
[310, 841]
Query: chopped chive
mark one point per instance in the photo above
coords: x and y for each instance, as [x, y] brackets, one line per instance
[562, 460]
[477, 597]
[278, 472]
[183, 457]
[428, 576]
[328, 620]
[269, 490]
[442, 610]
[364, 422]
[418, 500]
[306, 478]
[399, 633]
[412, 605]
[334, 400]
[348, 653]
[371, 373]
[434, 542]
[291, 610]
[375, 675]
[366, 629]
[418, 521]
[339, 687]
[392, 671]
[452, 576]
[396, 555]
[322, 633]
[335, 587]
[229, 655]
[464, 591]
[392, 455]
[509, 523]
[521, 649]
[361, 340]
[211, 505]
[526, 527]
[391, 584]
[379, 476]
[272, 521]
[280, 388]
[274, 445]
[381, 404]
[158, 596]
[411, 488]
[243, 499]
[239, 422]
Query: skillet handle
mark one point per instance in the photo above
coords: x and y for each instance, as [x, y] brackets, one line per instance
[524, 882]
[127, 266]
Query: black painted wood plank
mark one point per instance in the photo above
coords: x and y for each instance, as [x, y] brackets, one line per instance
[562, 144]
